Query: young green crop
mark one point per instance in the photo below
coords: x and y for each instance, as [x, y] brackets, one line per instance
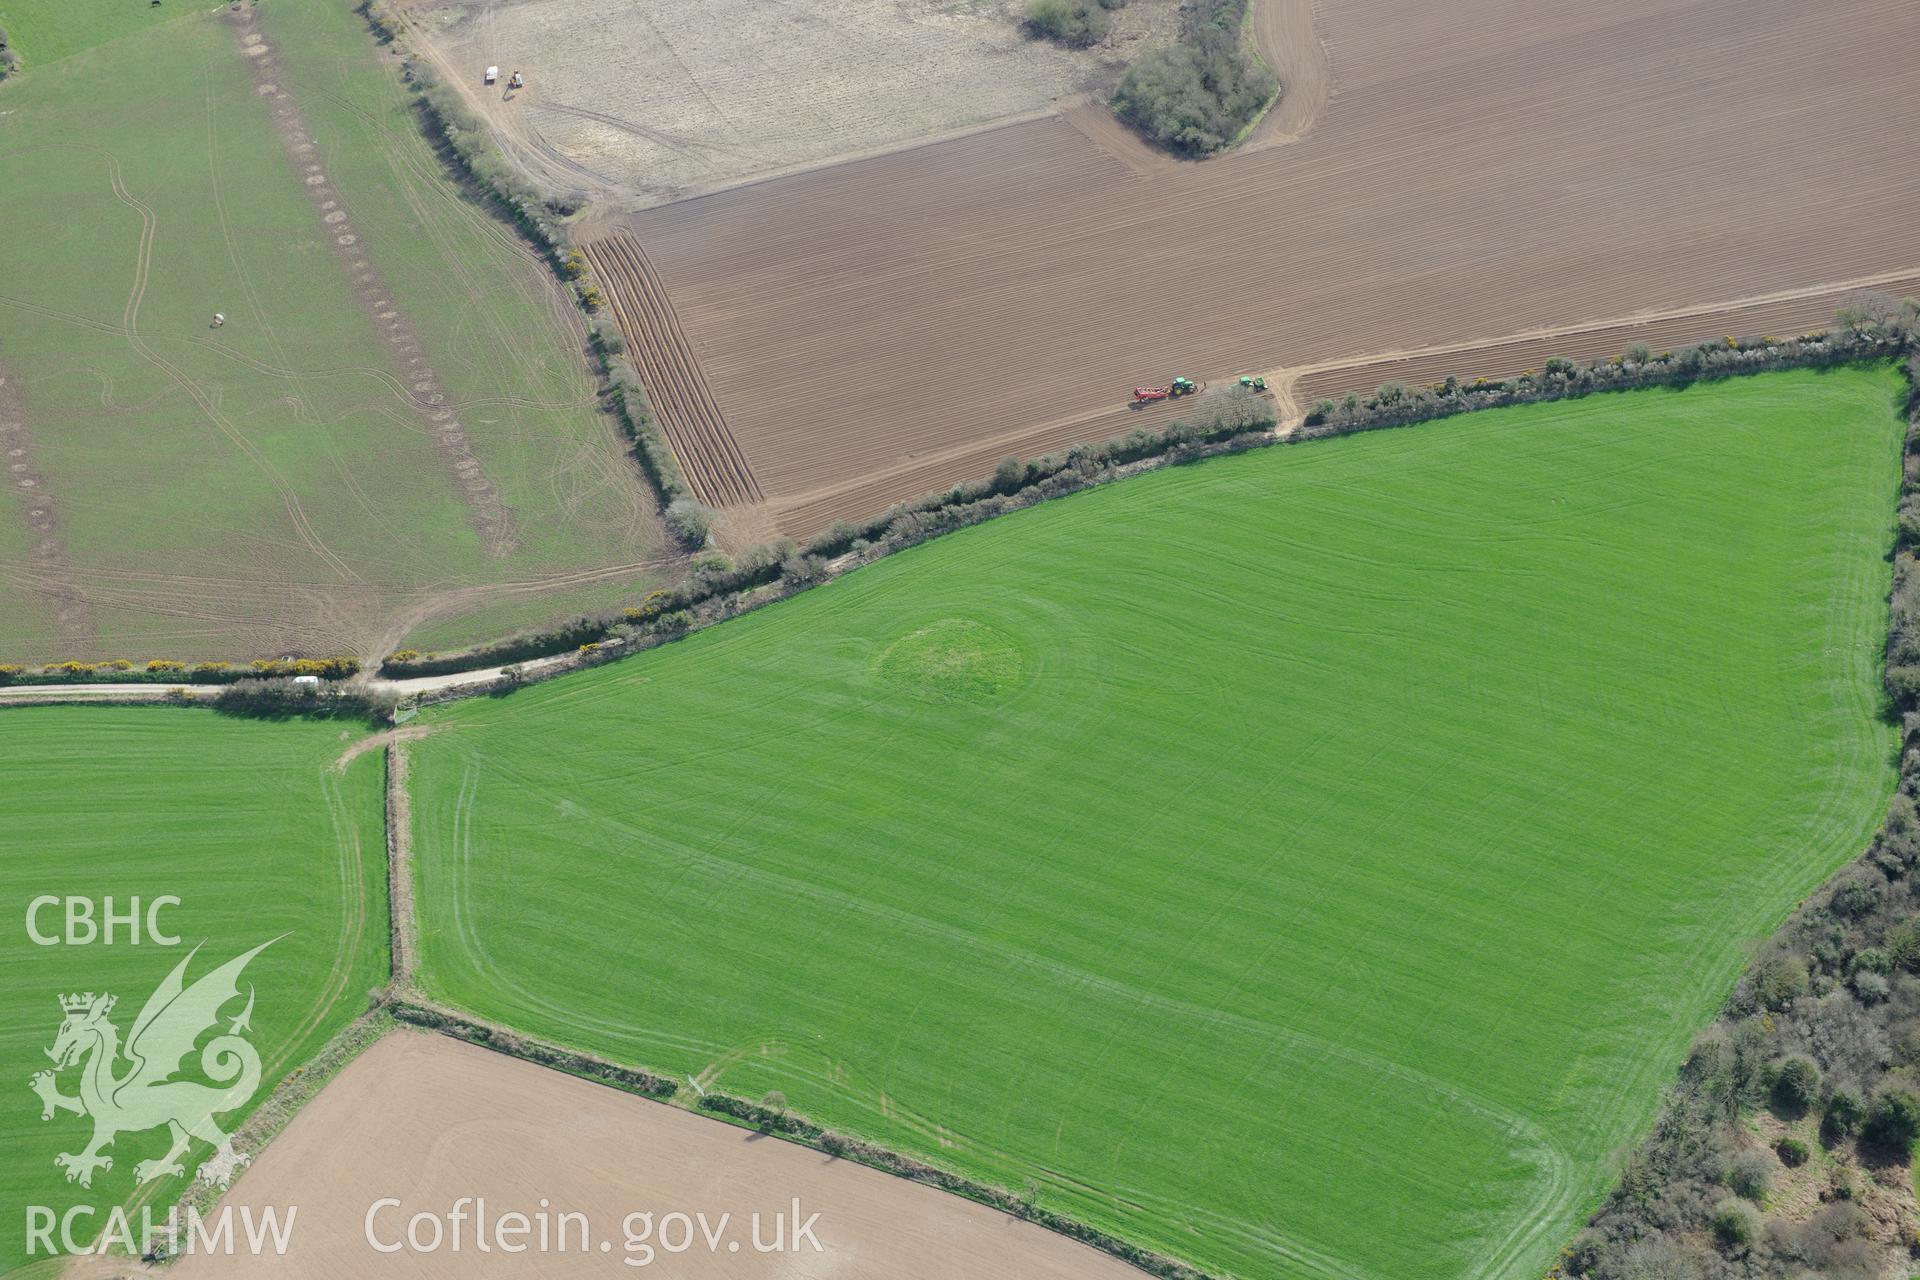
[1307, 862]
[273, 484]
[249, 826]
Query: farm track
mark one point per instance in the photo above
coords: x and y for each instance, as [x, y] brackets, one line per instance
[887, 326]
[1287, 36]
[684, 403]
[1780, 316]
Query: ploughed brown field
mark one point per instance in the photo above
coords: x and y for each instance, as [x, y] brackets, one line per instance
[1476, 186]
[426, 1121]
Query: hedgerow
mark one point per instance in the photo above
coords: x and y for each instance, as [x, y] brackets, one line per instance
[796, 1128]
[499, 1039]
[1226, 421]
[450, 122]
[1822, 1033]
[1395, 404]
[168, 671]
[286, 699]
[627, 398]
[469, 150]
[772, 572]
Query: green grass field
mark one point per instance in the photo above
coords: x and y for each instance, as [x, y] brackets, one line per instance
[267, 486]
[247, 825]
[1306, 863]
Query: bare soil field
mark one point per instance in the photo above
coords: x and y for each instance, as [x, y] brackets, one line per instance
[1520, 176]
[646, 101]
[427, 1120]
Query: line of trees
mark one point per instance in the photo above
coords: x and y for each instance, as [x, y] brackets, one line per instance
[470, 150]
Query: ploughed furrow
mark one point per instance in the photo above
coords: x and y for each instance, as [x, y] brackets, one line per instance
[890, 321]
[711, 459]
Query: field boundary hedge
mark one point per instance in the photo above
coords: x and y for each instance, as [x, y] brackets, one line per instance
[803, 1132]
[404, 1003]
[775, 572]
[1889, 334]
[1824, 1022]
[414, 1010]
[467, 149]
[419, 1012]
[403, 930]
[167, 672]
[297, 1088]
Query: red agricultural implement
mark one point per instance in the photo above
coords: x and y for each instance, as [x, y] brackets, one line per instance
[1173, 390]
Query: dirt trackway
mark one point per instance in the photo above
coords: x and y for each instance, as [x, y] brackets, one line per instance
[1500, 168]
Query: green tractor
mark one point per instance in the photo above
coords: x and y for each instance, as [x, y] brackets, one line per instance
[1254, 384]
[1173, 390]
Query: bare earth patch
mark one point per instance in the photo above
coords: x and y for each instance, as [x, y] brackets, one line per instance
[427, 1120]
[653, 99]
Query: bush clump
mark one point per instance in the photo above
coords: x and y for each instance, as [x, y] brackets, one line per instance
[1073, 23]
[1892, 1123]
[1842, 1116]
[1196, 97]
[1750, 1174]
[1796, 1085]
[1736, 1223]
[689, 521]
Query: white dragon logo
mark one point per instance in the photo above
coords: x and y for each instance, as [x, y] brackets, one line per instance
[144, 1097]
